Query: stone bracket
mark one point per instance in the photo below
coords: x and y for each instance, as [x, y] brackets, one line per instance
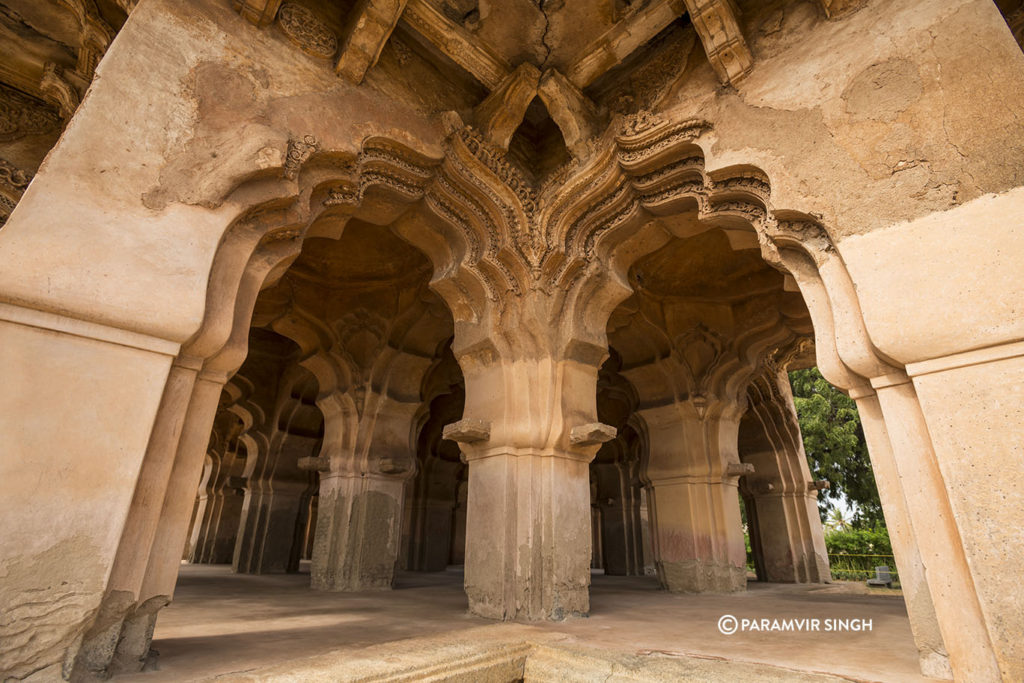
[819, 485]
[715, 21]
[391, 466]
[574, 113]
[467, 431]
[368, 33]
[320, 463]
[739, 469]
[500, 114]
[592, 434]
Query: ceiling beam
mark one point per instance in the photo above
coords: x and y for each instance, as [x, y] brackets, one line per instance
[461, 46]
[719, 31]
[369, 29]
[621, 40]
[259, 12]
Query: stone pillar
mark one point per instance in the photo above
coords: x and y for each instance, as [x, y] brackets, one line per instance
[693, 470]
[365, 462]
[172, 530]
[433, 515]
[950, 582]
[62, 513]
[932, 653]
[204, 507]
[617, 507]
[358, 532]
[789, 534]
[529, 434]
[458, 546]
[222, 534]
[983, 470]
[267, 533]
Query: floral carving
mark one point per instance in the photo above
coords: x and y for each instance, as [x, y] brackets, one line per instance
[21, 115]
[299, 152]
[304, 29]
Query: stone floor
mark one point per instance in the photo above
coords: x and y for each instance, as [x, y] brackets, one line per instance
[235, 626]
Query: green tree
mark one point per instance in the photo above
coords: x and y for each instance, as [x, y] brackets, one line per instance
[835, 446]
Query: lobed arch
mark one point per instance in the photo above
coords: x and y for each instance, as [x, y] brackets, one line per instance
[570, 245]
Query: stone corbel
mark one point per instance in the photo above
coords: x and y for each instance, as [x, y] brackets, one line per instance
[500, 114]
[467, 431]
[818, 485]
[592, 434]
[367, 34]
[739, 469]
[393, 466]
[237, 482]
[320, 463]
[575, 114]
[719, 31]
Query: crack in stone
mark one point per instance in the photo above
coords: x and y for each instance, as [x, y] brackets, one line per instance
[542, 5]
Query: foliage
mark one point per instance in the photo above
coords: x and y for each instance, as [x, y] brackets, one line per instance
[835, 447]
[854, 553]
[859, 542]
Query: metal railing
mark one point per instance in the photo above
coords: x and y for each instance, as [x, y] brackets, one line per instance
[850, 567]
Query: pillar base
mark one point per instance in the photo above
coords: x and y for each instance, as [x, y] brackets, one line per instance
[699, 576]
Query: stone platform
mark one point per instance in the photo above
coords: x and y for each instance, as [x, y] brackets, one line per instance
[247, 628]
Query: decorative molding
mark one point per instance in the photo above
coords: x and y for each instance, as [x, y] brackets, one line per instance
[13, 182]
[299, 151]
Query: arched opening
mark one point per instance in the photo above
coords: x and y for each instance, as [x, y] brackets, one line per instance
[678, 288]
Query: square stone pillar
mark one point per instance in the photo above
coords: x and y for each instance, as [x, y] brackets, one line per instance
[953, 589]
[77, 405]
[924, 624]
[358, 531]
[693, 470]
[973, 404]
[528, 536]
[268, 530]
